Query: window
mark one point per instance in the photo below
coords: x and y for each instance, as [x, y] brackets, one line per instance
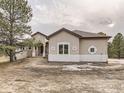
[66, 49]
[60, 49]
[63, 49]
[92, 50]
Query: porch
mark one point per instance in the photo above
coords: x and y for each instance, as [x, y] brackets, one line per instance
[40, 50]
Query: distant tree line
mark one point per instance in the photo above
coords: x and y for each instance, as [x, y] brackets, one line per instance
[116, 47]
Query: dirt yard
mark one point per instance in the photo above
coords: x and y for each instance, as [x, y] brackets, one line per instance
[36, 76]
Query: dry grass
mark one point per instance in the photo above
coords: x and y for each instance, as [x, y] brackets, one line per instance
[36, 76]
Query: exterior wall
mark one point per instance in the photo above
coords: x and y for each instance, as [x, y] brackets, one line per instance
[64, 37]
[63, 58]
[40, 38]
[78, 58]
[93, 58]
[22, 55]
[81, 54]
[100, 44]
[101, 53]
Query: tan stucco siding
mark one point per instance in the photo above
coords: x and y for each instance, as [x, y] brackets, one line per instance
[100, 44]
[39, 38]
[64, 37]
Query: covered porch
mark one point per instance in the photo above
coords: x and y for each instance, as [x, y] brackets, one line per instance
[40, 50]
[40, 47]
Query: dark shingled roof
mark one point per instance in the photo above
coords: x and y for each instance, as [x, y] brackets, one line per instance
[80, 34]
[89, 34]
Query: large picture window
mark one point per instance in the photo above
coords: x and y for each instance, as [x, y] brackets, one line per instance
[63, 48]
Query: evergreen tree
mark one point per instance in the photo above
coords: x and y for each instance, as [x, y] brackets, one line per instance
[110, 50]
[118, 45]
[14, 16]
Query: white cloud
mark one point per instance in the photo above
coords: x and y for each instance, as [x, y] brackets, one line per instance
[61, 15]
[111, 25]
[74, 12]
[90, 14]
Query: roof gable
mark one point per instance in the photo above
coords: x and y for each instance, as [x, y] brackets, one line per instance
[66, 30]
[39, 33]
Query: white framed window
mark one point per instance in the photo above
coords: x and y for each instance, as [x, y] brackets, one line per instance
[63, 48]
[92, 50]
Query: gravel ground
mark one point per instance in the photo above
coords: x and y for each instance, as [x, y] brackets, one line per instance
[34, 75]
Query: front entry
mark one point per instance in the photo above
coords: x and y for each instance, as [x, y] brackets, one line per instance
[40, 50]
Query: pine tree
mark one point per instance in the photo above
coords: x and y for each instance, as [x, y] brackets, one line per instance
[14, 16]
[118, 45]
[110, 50]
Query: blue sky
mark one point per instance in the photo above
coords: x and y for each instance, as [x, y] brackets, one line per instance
[87, 15]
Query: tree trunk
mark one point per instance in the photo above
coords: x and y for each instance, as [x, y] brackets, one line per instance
[11, 29]
[11, 59]
[119, 54]
[11, 56]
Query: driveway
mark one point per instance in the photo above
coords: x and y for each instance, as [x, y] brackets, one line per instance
[35, 75]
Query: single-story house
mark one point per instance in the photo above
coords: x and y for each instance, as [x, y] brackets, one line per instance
[72, 46]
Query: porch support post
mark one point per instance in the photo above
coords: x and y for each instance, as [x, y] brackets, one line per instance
[37, 52]
[44, 50]
[33, 52]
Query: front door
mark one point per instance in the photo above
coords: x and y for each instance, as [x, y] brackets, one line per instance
[40, 50]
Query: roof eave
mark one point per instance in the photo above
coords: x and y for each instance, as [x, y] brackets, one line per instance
[107, 37]
[39, 33]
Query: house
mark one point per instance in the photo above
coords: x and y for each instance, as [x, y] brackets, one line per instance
[74, 46]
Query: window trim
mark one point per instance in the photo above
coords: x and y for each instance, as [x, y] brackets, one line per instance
[95, 50]
[63, 43]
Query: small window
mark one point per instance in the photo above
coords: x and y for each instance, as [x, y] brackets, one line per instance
[63, 49]
[92, 50]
